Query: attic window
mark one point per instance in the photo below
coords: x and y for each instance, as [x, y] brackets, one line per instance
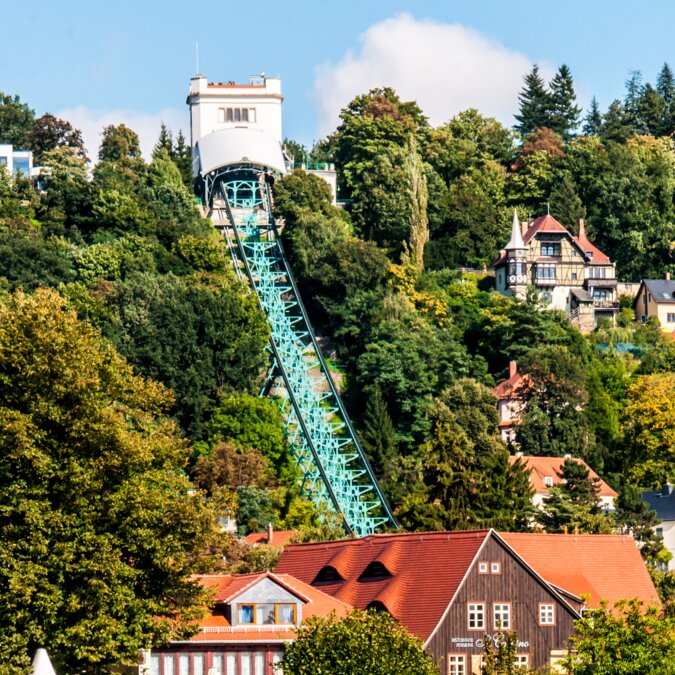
[548, 481]
[327, 574]
[376, 570]
[378, 607]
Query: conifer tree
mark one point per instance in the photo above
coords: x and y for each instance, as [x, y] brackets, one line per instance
[378, 436]
[634, 91]
[164, 142]
[650, 111]
[593, 120]
[566, 205]
[182, 155]
[615, 123]
[534, 103]
[665, 86]
[565, 113]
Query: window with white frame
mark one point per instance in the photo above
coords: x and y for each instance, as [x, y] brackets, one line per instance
[670, 318]
[546, 614]
[217, 664]
[522, 660]
[236, 115]
[495, 568]
[545, 271]
[476, 612]
[245, 663]
[457, 664]
[549, 249]
[169, 661]
[483, 568]
[184, 664]
[548, 481]
[501, 613]
[231, 663]
[198, 664]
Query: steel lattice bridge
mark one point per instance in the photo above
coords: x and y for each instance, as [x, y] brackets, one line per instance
[336, 475]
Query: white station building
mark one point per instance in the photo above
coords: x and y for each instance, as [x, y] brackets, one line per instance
[236, 125]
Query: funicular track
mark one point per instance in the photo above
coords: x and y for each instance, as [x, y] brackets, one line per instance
[335, 472]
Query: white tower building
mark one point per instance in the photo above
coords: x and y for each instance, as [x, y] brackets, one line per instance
[235, 124]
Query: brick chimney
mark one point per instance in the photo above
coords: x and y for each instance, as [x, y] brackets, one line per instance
[270, 533]
[513, 368]
[582, 228]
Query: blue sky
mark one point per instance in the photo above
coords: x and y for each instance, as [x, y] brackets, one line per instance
[102, 62]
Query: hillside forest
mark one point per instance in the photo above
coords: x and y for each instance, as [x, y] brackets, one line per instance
[131, 357]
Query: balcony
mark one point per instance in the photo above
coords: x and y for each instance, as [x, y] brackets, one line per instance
[545, 281]
[606, 305]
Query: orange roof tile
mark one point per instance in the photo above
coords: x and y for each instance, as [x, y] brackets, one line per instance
[540, 467]
[215, 626]
[605, 566]
[279, 538]
[427, 569]
[512, 387]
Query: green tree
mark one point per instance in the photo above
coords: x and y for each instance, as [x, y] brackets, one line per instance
[499, 655]
[534, 103]
[300, 193]
[665, 86]
[575, 503]
[593, 119]
[164, 142]
[565, 113]
[625, 640]
[616, 124]
[648, 426]
[119, 143]
[182, 156]
[16, 121]
[378, 436]
[358, 644]
[566, 204]
[100, 532]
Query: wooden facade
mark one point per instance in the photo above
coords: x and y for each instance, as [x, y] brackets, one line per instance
[457, 645]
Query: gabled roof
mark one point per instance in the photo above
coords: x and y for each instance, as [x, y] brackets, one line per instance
[662, 290]
[215, 627]
[545, 223]
[279, 538]
[661, 501]
[512, 387]
[605, 566]
[540, 467]
[427, 570]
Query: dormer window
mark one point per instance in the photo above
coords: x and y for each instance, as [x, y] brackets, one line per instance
[327, 574]
[548, 481]
[265, 613]
[376, 570]
[550, 250]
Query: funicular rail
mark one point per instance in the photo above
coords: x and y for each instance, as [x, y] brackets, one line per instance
[336, 472]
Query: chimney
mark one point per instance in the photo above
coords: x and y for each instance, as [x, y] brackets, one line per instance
[513, 368]
[565, 529]
[567, 456]
[667, 490]
[576, 529]
[582, 228]
[519, 454]
[667, 276]
[270, 533]
[524, 227]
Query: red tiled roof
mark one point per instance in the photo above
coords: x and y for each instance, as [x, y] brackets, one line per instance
[543, 224]
[597, 256]
[511, 388]
[215, 626]
[427, 569]
[606, 566]
[279, 538]
[550, 466]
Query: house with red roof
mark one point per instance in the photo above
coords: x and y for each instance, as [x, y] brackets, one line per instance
[270, 537]
[511, 402]
[545, 473]
[454, 590]
[253, 616]
[568, 271]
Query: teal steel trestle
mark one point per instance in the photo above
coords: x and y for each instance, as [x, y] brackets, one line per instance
[335, 471]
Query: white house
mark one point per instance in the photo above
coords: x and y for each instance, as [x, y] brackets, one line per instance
[663, 502]
[16, 162]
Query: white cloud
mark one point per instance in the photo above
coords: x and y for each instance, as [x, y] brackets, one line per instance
[147, 125]
[446, 68]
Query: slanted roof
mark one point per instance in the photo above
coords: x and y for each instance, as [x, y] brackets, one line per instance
[661, 501]
[516, 242]
[581, 295]
[604, 566]
[545, 223]
[279, 538]
[215, 627]
[662, 290]
[427, 569]
[540, 467]
[512, 387]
